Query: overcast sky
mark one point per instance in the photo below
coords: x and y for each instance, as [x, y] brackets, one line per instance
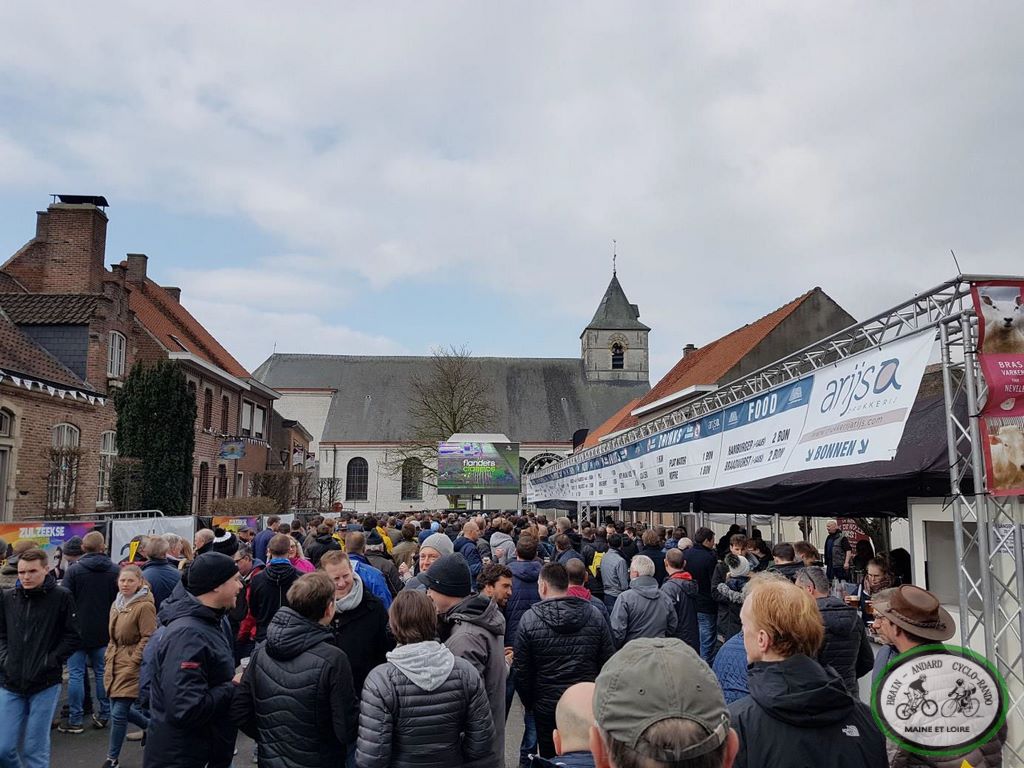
[387, 177]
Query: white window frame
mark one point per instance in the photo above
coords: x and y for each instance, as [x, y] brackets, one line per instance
[116, 346]
[6, 423]
[108, 452]
[64, 435]
[239, 484]
[259, 420]
[247, 415]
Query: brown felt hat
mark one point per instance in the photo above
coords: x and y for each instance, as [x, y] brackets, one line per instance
[918, 612]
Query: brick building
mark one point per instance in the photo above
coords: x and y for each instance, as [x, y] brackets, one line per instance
[70, 330]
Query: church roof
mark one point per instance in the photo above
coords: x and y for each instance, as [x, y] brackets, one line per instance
[615, 313]
[539, 400]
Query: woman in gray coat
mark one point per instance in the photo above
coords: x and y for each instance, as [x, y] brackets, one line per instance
[424, 708]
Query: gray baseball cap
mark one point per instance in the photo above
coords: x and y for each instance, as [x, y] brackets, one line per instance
[655, 679]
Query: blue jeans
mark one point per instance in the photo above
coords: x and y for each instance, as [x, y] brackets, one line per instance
[529, 742]
[707, 623]
[76, 684]
[123, 711]
[26, 721]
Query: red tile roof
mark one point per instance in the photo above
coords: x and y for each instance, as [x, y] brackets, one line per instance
[178, 330]
[20, 355]
[612, 424]
[711, 362]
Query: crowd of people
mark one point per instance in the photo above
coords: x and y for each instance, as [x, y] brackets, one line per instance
[403, 641]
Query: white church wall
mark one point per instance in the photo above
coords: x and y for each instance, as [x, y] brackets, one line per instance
[308, 408]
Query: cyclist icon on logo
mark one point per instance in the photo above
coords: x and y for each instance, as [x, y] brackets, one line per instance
[917, 699]
[961, 699]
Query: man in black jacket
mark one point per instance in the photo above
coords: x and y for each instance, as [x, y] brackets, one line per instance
[784, 557]
[38, 632]
[796, 707]
[161, 575]
[269, 590]
[700, 563]
[323, 543]
[561, 641]
[296, 698]
[682, 591]
[92, 581]
[194, 671]
[360, 623]
[846, 647]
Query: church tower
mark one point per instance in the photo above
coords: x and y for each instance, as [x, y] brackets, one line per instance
[614, 344]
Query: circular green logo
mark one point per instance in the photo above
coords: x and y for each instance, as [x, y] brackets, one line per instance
[939, 700]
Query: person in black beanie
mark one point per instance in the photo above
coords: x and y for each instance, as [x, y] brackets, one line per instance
[194, 679]
[224, 542]
[473, 628]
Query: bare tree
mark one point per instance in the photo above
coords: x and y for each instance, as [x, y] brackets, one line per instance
[453, 397]
[328, 489]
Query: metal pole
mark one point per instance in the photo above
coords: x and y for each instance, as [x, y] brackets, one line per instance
[978, 473]
[776, 535]
[750, 529]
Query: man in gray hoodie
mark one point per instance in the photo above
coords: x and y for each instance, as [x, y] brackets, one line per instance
[473, 628]
[643, 610]
[614, 571]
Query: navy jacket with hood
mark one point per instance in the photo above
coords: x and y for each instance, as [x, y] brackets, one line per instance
[525, 574]
[191, 689]
[799, 713]
[92, 581]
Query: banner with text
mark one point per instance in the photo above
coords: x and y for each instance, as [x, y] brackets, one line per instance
[998, 305]
[48, 535]
[849, 413]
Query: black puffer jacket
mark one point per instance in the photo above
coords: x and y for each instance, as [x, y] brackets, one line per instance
[92, 581]
[682, 591]
[561, 642]
[38, 632]
[191, 690]
[435, 716]
[268, 593]
[846, 648]
[296, 697]
[798, 714]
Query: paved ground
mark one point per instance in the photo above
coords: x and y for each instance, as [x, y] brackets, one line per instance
[89, 749]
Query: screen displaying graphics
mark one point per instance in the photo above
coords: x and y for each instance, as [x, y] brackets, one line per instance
[477, 468]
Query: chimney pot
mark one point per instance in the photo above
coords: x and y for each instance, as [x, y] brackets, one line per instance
[689, 349]
[137, 267]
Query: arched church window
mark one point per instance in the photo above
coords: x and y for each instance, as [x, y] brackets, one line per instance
[618, 357]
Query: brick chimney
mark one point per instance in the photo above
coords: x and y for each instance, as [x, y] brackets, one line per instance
[174, 291]
[67, 253]
[689, 349]
[137, 267]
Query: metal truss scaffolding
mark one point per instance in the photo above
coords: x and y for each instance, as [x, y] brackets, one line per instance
[987, 528]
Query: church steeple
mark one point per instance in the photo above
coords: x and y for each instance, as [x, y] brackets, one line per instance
[614, 343]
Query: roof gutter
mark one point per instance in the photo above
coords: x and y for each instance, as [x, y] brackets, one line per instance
[197, 361]
[675, 397]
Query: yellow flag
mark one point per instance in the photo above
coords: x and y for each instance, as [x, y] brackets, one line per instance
[135, 548]
[965, 764]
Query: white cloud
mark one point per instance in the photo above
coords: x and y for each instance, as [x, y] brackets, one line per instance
[252, 333]
[739, 154]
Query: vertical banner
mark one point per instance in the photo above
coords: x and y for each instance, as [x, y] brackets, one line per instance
[998, 305]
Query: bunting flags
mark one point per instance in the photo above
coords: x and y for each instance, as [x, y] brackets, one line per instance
[38, 386]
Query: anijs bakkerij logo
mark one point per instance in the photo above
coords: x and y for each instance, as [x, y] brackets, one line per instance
[939, 700]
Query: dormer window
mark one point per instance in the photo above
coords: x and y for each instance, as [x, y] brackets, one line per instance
[618, 357]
